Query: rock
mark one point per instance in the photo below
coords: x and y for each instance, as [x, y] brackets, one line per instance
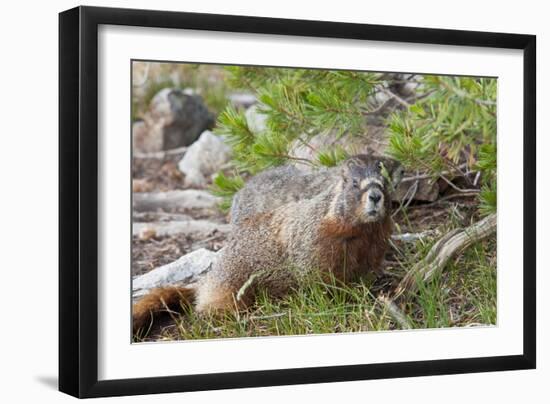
[203, 158]
[242, 100]
[373, 140]
[142, 141]
[175, 118]
[190, 228]
[404, 84]
[380, 97]
[428, 191]
[188, 199]
[256, 120]
[187, 269]
[318, 142]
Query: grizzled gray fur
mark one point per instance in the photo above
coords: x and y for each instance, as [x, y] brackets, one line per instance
[280, 185]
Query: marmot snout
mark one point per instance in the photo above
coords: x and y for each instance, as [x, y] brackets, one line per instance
[366, 184]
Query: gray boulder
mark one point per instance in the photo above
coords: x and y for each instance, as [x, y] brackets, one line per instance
[185, 270]
[203, 158]
[242, 100]
[175, 118]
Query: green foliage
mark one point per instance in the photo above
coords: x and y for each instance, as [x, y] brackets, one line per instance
[488, 198]
[453, 127]
[226, 187]
[332, 157]
[298, 104]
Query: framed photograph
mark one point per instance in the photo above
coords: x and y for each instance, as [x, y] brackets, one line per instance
[251, 201]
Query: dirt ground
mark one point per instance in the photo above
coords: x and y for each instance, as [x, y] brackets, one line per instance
[160, 175]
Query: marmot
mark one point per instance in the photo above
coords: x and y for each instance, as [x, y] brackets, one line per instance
[288, 224]
[278, 186]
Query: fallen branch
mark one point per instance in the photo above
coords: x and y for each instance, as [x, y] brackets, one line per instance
[159, 154]
[412, 237]
[446, 247]
[195, 228]
[187, 199]
[139, 217]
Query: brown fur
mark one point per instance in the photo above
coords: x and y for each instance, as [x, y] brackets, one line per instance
[165, 298]
[328, 233]
[351, 250]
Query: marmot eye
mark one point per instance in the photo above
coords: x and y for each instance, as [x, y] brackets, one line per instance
[355, 183]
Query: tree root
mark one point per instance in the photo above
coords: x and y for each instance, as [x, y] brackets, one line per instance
[446, 247]
[443, 250]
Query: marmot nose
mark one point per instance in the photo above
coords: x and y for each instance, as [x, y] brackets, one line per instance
[375, 197]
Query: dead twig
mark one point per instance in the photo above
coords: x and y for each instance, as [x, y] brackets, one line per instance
[394, 96]
[446, 198]
[377, 109]
[267, 317]
[426, 176]
[476, 179]
[461, 190]
[409, 196]
[160, 154]
[395, 312]
[411, 237]
[187, 199]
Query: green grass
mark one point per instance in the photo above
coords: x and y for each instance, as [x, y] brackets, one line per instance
[464, 294]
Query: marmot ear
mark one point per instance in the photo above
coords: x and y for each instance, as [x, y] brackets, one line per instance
[393, 171]
[397, 174]
[345, 169]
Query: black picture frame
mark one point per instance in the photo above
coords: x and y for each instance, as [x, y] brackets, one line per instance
[78, 201]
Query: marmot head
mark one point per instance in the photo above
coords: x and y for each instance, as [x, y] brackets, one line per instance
[365, 188]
